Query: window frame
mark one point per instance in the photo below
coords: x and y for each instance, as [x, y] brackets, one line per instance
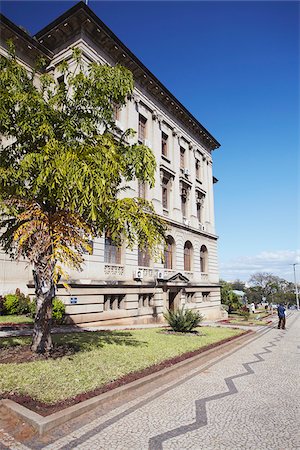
[144, 259]
[142, 128]
[203, 259]
[164, 144]
[112, 252]
[169, 253]
[182, 158]
[188, 256]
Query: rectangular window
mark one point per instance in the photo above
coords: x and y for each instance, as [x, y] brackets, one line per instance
[145, 300]
[197, 166]
[182, 158]
[199, 212]
[112, 253]
[184, 203]
[113, 302]
[200, 200]
[190, 297]
[164, 144]
[142, 129]
[165, 193]
[142, 189]
[183, 206]
[143, 258]
[165, 197]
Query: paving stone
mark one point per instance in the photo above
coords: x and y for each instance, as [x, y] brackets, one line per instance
[248, 400]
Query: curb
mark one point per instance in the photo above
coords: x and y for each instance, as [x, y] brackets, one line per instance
[44, 424]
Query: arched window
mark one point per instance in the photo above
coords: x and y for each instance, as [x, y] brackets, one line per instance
[188, 255]
[203, 259]
[169, 262]
[112, 253]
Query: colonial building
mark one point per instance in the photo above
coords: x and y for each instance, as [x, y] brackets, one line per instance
[118, 285]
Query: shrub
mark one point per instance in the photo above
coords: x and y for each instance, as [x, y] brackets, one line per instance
[58, 310]
[16, 303]
[24, 302]
[244, 311]
[183, 320]
[11, 304]
[32, 308]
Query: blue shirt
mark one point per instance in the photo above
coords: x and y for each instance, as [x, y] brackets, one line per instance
[281, 311]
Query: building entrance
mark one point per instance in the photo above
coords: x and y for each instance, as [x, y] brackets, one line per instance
[174, 299]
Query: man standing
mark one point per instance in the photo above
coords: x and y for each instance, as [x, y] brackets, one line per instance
[281, 316]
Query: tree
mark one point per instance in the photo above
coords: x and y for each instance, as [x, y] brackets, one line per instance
[238, 285]
[228, 297]
[62, 169]
[253, 294]
[266, 284]
[273, 288]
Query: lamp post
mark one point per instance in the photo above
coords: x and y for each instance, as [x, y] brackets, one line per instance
[296, 287]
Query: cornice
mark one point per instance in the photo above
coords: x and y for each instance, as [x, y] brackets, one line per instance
[81, 16]
[117, 285]
[29, 45]
[190, 229]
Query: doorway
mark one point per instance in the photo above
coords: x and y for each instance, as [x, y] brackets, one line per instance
[174, 300]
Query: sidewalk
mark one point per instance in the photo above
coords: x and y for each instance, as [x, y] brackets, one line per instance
[229, 403]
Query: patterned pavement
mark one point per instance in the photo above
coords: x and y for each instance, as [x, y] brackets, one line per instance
[247, 400]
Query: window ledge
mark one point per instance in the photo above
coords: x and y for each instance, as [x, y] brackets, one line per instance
[165, 158]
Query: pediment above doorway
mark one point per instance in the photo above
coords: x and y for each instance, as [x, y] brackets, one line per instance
[178, 277]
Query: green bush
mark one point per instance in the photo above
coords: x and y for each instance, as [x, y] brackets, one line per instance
[58, 310]
[24, 302]
[11, 304]
[183, 320]
[32, 308]
[244, 312]
[16, 303]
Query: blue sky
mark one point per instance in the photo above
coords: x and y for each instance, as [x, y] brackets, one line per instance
[235, 66]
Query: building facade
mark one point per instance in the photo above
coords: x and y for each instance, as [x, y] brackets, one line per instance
[118, 285]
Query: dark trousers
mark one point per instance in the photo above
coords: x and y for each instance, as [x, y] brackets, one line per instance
[281, 323]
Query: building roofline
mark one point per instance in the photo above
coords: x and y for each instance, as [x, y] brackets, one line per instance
[82, 6]
[21, 34]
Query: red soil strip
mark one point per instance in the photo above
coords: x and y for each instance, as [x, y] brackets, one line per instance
[45, 409]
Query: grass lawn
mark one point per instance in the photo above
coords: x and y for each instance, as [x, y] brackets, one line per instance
[248, 322]
[15, 319]
[101, 357]
[254, 319]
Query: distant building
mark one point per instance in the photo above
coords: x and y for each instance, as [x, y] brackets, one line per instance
[118, 285]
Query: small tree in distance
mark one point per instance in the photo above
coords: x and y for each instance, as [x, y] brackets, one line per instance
[62, 170]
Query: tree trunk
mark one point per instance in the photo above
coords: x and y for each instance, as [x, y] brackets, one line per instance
[41, 338]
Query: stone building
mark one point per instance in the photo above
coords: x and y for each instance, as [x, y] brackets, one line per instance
[118, 285]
